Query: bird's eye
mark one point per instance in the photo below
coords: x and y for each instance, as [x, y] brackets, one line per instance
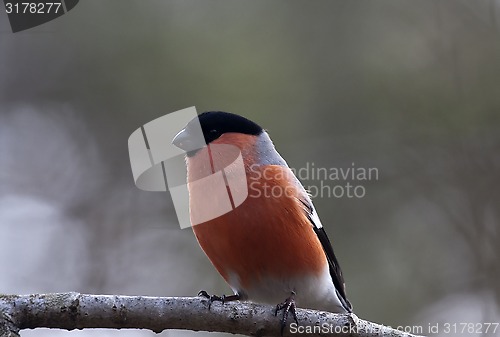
[214, 131]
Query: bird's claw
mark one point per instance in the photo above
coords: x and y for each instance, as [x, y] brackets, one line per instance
[203, 293]
[214, 298]
[288, 306]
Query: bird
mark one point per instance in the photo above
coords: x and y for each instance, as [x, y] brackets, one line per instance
[272, 247]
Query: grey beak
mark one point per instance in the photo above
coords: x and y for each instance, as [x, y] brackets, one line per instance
[181, 139]
[188, 142]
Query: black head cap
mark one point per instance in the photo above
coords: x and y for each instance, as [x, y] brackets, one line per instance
[215, 123]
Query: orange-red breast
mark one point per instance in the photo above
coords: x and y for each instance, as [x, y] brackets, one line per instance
[272, 247]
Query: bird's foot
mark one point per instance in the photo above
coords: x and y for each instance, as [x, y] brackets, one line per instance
[288, 306]
[214, 298]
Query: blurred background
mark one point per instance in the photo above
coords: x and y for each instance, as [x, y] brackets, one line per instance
[411, 88]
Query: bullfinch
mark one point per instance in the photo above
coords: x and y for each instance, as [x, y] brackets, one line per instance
[270, 248]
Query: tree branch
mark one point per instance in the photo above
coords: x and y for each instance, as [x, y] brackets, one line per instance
[78, 311]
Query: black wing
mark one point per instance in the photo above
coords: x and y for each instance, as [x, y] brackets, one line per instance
[335, 271]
